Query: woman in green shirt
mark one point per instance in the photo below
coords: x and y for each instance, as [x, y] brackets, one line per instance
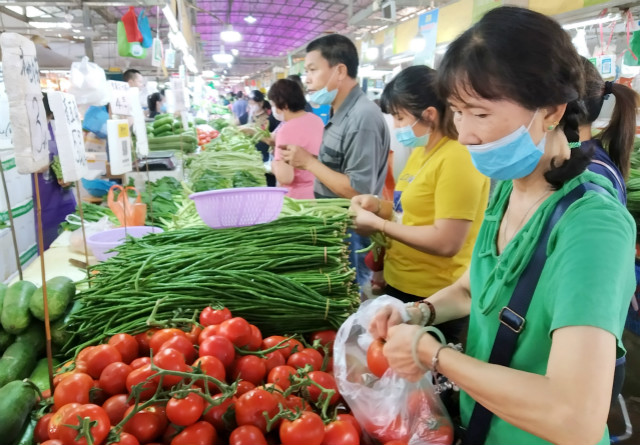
[508, 80]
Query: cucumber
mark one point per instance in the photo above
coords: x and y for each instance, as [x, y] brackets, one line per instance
[15, 309]
[40, 374]
[17, 399]
[162, 129]
[26, 436]
[3, 291]
[5, 339]
[34, 336]
[59, 334]
[19, 360]
[163, 121]
[60, 291]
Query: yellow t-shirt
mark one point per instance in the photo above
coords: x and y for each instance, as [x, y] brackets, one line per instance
[439, 184]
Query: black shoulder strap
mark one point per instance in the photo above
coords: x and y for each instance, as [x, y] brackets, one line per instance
[512, 316]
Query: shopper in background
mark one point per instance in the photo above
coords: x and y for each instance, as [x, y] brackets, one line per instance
[299, 128]
[511, 111]
[157, 105]
[240, 109]
[56, 197]
[260, 116]
[134, 78]
[614, 144]
[355, 143]
[440, 198]
[297, 79]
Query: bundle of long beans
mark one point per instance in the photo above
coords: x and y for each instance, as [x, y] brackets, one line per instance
[290, 275]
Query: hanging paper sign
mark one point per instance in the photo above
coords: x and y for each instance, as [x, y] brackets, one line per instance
[69, 138]
[177, 86]
[185, 119]
[119, 141]
[156, 52]
[606, 64]
[6, 141]
[119, 98]
[170, 58]
[26, 110]
[139, 126]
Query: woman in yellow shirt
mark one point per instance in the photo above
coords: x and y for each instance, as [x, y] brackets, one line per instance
[439, 200]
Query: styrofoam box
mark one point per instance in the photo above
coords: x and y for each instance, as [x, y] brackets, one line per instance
[24, 220]
[20, 186]
[8, 267]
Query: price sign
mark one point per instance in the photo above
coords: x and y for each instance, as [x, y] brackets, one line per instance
[6, 140]
[26, 111]
[170, 58]
[119, 141]
[139, 126]
[69, 138]
[156, 54]
[120, 98]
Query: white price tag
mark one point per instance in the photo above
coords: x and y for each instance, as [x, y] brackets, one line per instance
[120, 98]
[21, 76]
[156, 54]
[6, 140]
[185, 120]
[119, 141]
[139, 125]
[69, 137]
[179, 93]
[170, 58]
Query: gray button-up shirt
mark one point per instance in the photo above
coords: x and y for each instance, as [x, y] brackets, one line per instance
[355, 142]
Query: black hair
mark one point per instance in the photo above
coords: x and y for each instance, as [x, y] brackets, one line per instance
[618, 136]
[130, 74]
[336, 49]
[414, 90]
[152, 103]
[238, 95]
[524, 56]
[256, 96]
[47, 109]
[287, 94]
[297, 79]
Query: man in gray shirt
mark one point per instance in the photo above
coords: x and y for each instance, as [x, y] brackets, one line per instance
[239, 108]
[355, 144]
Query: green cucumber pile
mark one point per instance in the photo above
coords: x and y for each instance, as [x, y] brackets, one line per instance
[292, 274]
[167, 133]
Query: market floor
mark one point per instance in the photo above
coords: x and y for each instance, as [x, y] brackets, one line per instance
[616, 421]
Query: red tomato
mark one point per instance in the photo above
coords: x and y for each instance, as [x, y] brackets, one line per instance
[251, 406]
[215, 412]
[376, 361]
[352, 420]
[396, 442]
[201, 433]
[185, 411]
[183, 345]
[256, 339]
[100, 357]
[325, 380]
[114, 377]
[237, 329]
[208, 332]
[145, 425]
[41, 432]
[194, 334]
[125, 439]
[280, 375]
[97, 395]
[308, 429]
[75, 388]
[172, 360]
[305, 357]
[326, 338]
[212, 367]
[250, 368]
[82, 359]
[56, 419]
[291, 345]
[163, 335]
[140, 376]
[247, 435]
[340, 432]
[115, 407]
[210, 316]
[274, 359]
[143, 340]
[60, 377]
[171, 432]
[295, 403]
[99, 428]
[244, 387]
[140, 362]
[52, 442]
[127, 346]
[219, 347]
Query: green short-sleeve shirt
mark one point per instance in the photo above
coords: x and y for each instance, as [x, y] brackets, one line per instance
[588, 280]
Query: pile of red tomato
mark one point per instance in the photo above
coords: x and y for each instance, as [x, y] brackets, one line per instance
[284, 385]
[206, 134]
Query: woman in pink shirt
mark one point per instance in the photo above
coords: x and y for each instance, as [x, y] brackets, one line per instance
[298, 128]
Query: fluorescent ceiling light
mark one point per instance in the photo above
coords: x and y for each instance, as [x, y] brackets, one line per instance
[49, 25]
[250, 19]
[234, 52]
[173, 23]
[208, 73]
[229, 35]
[178, 41]
[222, 58]
[372, 53]
[597, 21]
[190, 63]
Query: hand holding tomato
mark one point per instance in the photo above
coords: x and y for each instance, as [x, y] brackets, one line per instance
[384, 319]
[397, 350]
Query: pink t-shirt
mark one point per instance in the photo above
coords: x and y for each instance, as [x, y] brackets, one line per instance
[306, 132]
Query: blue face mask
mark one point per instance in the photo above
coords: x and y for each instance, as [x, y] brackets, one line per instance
[163, 108]
[511, 157]
[324, 96]
[408, 138]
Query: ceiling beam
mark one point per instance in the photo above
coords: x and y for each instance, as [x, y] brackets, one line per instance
[15, 15]
[106, 15]
[38, 3]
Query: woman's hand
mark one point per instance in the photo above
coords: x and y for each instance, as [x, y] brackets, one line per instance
[368, 202]
[366, 222]
[384, 319]
[397, 350]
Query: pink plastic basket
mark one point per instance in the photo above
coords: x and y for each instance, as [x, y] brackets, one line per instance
[101, 242]
[239, 207]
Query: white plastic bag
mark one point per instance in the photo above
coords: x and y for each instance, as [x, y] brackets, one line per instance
[388, 408]
[75, 239]
[89, 83]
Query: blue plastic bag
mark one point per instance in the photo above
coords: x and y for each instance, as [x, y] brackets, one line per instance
[95, 121]
[145, 30]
